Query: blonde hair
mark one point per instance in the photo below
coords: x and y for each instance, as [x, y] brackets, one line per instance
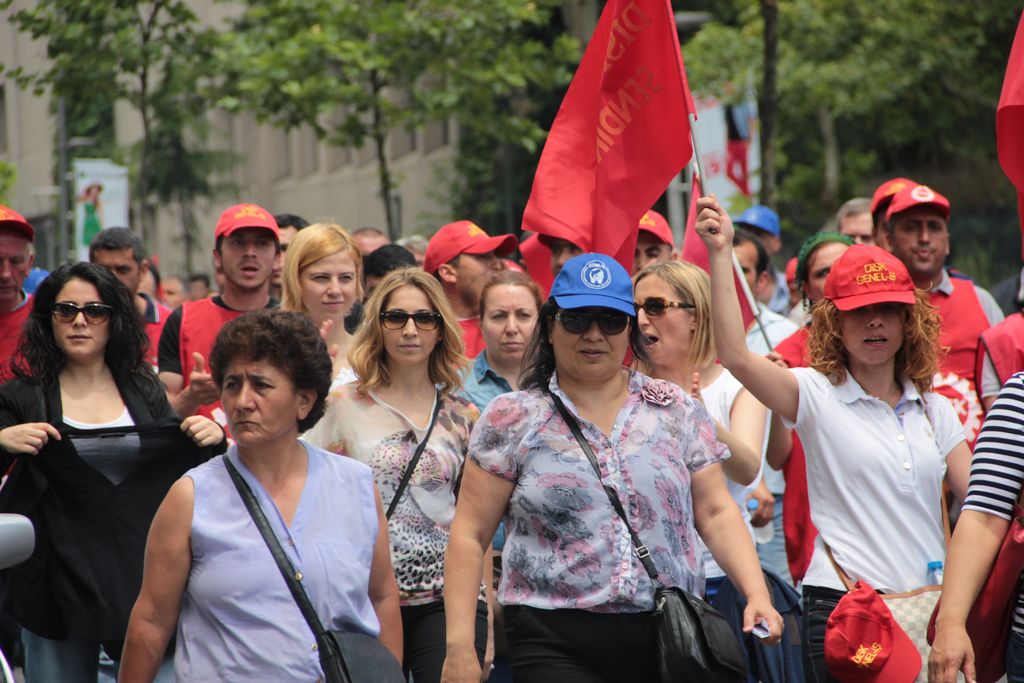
[309, 245]
[367, 352]
[692, 286]
[917, 359]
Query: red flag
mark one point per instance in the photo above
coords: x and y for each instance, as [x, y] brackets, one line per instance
[1010, 119]
[695, 252]
[621, 134]
[537, 258]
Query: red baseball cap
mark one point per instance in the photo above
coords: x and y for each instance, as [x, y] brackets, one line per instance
[245, 216]
[9, 218]
[884, 192]
[865, 274]
[463, 237]
[864, 643]
[917, 195]
[791, 269]
[654, 223]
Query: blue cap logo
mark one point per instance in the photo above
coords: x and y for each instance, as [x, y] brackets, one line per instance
[595, 275]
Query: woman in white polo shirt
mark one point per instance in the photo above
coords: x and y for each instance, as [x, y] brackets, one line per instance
[878, 441]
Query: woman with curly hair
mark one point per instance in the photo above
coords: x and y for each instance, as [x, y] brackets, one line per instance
[878, 441]
[322, 277]
[408, 357]
[99, 446]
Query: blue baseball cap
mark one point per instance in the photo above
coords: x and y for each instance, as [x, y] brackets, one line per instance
[761, 218]
[594, 280]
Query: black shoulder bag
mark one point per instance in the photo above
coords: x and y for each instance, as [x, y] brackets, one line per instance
[345, 657]
[695, 641]
[411, 467]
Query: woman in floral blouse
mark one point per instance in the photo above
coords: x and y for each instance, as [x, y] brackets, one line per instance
[577, 601]
[408, 357]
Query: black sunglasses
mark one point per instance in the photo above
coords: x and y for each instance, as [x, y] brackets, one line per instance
[95, 314]
[396, 320]
[609, 322]
[655, 306]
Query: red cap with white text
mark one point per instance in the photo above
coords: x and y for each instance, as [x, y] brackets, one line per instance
[918, 195]
[865, 274]
[242, 216]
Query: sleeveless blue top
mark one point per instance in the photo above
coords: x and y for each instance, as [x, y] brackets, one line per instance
[238, 621]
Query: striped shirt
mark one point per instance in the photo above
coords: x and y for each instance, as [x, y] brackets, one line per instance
[997, 469]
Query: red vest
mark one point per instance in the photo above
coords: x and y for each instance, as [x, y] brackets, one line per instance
[200, 322]
[472, 337]
[1005, 346]
[963, 321]
[797, 528]
[153, 331]
[10, 334]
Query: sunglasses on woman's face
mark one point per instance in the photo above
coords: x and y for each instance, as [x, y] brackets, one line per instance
[95, 314]
[655, 306]
[397, 320]
[609, 322]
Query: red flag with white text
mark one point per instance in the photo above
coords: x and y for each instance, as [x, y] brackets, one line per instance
[695, 252]
[620, 136]
[1010, 120]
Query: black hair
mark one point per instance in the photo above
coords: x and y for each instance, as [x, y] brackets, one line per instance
[116, 239]
[155, 272]
[39, 357]
[383, 260]
[741, 236]
[199, 277]
[290, 220]
[539, 360]
[289, 341]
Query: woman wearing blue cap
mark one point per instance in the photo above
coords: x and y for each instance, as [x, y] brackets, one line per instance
[577, 599]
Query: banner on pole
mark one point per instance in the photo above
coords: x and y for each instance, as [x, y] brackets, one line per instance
[101, 200]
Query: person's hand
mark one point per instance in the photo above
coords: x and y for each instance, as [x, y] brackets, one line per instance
[759, 610]
[462, 666]
[713, 224]
[765, 506]
[695, 387]
[951, 652]
[325, 332]
[203, 430]
[27, 438]
[200, 382]
[776, 357]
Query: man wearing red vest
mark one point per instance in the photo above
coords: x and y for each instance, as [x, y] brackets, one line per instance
[917, 232]
[462, 257]
[246, 246]
[16, 258]
[1000, 356]
[121, 251]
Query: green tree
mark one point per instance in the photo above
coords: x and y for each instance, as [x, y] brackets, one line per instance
[8, 176]
[355, 70]
[138, 51]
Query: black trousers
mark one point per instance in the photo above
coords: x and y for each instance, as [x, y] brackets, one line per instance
[423, 633]
[818, 604]
[576, 646]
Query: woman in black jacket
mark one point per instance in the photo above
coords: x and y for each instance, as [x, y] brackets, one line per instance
[91, 446]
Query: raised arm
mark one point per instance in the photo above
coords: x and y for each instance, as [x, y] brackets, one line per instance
[483, 498]
[168, 561]
[773, 386]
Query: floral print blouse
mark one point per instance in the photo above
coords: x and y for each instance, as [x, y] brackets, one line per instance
[565, 545]
[364, 427]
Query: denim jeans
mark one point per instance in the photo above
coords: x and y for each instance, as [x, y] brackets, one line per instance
[72, 660]
[1015, 657]
[818, 604]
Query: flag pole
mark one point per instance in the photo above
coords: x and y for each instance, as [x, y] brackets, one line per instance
[754, 308]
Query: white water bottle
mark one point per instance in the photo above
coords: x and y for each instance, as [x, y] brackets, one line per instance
[935, 573]
[762, 534]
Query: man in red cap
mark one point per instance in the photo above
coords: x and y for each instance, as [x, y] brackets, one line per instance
[462, 256]
[654, 242]
[246, 247]
[16, 258]
[880, 201]
[917, 232]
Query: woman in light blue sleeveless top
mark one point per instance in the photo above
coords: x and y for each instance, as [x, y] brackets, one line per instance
[208, 571]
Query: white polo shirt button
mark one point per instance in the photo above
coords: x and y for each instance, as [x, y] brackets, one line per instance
[315, 648]
[901, 437]
[906, 465]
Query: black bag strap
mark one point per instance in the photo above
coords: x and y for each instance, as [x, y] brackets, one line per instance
[291, 577]
[411, 467]
[641, 550]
